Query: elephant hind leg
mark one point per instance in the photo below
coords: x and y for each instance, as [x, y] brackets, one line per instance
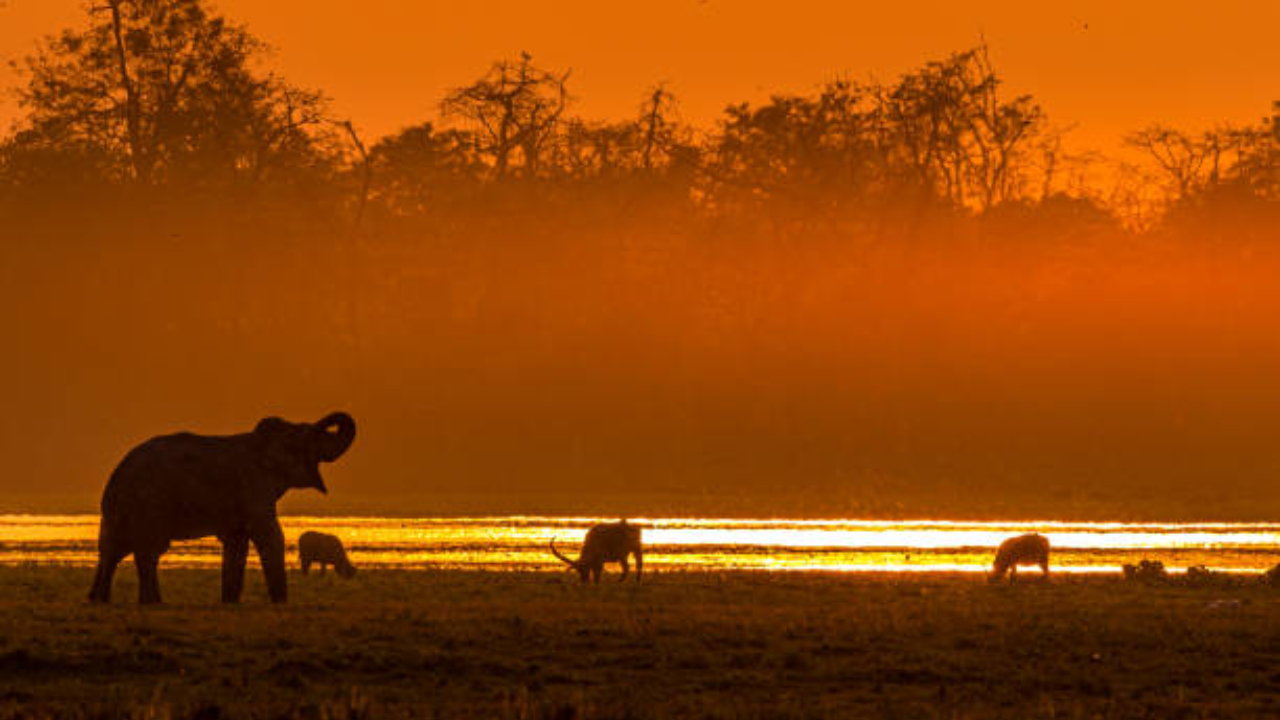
[105, 574]
[110, 553]
[148, 562]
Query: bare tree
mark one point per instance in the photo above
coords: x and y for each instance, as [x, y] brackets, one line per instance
[648, 145]
[656, 118]
[1179, 157]
[951, 128]
[516, 108]
[366, 171]
[999, 133]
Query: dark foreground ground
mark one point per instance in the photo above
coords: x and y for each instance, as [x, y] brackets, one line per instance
[533, 645]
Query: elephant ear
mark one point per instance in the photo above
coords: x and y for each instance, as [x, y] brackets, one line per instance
[285, 453]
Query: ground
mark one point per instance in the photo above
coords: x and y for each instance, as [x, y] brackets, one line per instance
[452, 644]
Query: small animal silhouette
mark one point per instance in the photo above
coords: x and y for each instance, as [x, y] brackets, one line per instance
[314, 547]
[1030, 549]
[606, 542]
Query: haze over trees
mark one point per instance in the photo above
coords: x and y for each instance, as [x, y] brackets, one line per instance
[865, 297]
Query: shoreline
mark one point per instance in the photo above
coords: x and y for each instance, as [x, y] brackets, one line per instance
[520, 543]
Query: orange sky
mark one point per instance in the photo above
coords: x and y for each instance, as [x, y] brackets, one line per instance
[388, 62]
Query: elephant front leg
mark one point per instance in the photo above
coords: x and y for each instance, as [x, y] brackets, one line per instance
[268, 539]
[235, 551]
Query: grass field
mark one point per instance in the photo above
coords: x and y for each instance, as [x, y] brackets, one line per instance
[681, 645]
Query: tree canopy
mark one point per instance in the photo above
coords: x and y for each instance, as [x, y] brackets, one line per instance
[156, 92]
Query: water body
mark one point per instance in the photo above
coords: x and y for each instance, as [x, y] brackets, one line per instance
[520, 543]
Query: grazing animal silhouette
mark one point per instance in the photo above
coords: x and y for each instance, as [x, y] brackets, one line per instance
[1031, 549]
[322, 549]
[606, 542]
[185, 486]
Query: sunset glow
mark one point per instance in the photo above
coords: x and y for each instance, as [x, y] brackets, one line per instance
[520, 543]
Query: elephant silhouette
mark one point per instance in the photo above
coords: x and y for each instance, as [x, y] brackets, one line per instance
[187, 486]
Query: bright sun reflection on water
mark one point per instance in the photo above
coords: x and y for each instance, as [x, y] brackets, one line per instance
[520, 543]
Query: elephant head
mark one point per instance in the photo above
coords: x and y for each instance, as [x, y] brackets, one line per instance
[293, 451]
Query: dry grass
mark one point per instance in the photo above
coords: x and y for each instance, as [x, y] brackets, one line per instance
[531, 645]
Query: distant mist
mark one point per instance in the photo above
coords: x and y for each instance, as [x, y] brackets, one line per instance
[883, 300]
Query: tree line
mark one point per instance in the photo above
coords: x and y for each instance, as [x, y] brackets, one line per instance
[165, 98]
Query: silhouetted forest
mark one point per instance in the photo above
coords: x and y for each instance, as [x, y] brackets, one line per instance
[902, 297]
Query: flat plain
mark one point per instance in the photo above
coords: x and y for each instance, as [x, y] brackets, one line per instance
[469, 644]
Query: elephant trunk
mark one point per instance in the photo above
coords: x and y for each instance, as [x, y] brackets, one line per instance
[332, 445]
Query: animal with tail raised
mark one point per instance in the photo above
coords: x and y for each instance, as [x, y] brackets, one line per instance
[605, 543]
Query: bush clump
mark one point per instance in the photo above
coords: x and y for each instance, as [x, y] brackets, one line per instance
[1146, 571]
[1200, 576]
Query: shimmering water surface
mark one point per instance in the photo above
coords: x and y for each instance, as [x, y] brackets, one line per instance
[520, 543]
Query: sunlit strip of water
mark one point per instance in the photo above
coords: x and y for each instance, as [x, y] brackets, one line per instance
[520, 542]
